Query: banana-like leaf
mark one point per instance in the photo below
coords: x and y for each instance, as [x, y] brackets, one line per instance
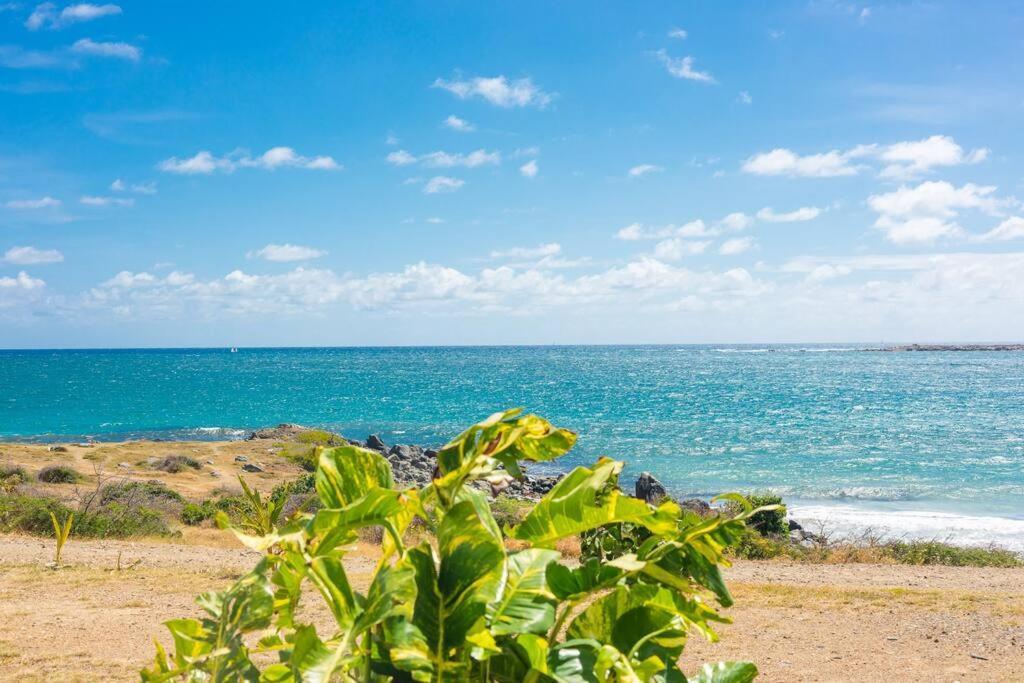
[346, 473]
[586, 499]
[504, 438]
[453, 591]
[574, 584]
[334, 527]
[526, 605]
[726, 672]
[634, 620]
[328, 574]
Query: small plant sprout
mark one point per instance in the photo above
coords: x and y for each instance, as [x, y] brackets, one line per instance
[61, 533]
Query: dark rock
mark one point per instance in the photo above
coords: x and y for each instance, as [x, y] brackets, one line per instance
[375, 443]
[252, 467]
[649, 489]
[696, 505]
[58, 449]
[291, 432]
[241, 458]
[795, 525]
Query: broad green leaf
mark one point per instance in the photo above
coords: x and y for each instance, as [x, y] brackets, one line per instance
[328, 574]
[726, 672]
[346, 473]
[634, 621]
[589, 577]
[526, 605]
[582, 501]
[337, 526]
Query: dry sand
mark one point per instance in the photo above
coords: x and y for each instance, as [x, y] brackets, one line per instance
[91, 622]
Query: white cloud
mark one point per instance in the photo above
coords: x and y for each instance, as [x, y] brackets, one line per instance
[736, 246]
[118, 186]
[29, 256]
[928, 212]
[804, 213]
[498, 91]
[900, 160]
[736, 221]
[826, 272]
[46, 15]
[911, 159]
[30, 204]
[782, 161]
[205, 163]
[105, 201]
[461, 125]
[683, 68]
[441, 184]
[435, 220]
[677, 33]
[1010, 229]
[744, 97]
[638, 231]
[286, 253]
[480, 157]
[539, 251]
[529, 169]
[87, 46]
[23, 282]
[674, 249]
[644, 169]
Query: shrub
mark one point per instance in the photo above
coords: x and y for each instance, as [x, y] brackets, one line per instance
[12, 476]
[459, 605]
[194, 514]
[143, 491]
[177, 463]
[59, 474]
[768, 522]
[937, 552]
[302, 454]
[31, 515]
[510, 511]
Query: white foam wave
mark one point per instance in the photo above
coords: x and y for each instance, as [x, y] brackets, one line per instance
[850, 520]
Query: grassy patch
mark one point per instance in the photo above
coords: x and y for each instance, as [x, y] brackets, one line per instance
[31, 515]
[59, 474]
[12, 476]
[302, 454]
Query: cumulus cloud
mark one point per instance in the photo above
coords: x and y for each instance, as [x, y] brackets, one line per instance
[480, 157]
[461, 125]
[529, 169]
[46, 15]
[205, 163]
[497, 90]
[744, 97]
[286, 253]
[29, 256]
[928, 211]
[901, 160]
[31, 204]
[440, 184]
[90, 200]
[89, 47]
[781, 161]
[735, 246]
[639, 231]
[736, 221]
[1010, 229]
[683, 68]
[804, 213]
[677, 33]
[550, 249]
[139, 188]
[674, 249]
[644, 169]
[23, 281]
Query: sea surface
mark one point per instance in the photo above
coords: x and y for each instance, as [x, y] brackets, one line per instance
[922, 444]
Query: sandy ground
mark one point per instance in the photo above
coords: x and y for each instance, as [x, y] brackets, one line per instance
[130, 460]
[93, 622]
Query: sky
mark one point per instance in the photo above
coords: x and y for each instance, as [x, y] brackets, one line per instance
[378, 173]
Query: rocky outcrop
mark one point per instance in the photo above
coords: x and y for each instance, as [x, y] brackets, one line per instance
[649, 489]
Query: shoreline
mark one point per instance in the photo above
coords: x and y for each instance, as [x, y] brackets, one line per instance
[836, 519]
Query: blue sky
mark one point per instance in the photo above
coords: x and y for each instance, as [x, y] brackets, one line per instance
[434, 173]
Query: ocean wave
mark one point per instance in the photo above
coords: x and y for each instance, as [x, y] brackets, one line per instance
[969, 530]
[227, 432]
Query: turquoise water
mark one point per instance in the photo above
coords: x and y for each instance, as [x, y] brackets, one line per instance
[876, 431]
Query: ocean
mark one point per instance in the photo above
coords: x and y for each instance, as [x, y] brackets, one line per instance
[918, 444]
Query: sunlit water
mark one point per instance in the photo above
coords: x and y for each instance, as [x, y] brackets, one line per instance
[929, 444]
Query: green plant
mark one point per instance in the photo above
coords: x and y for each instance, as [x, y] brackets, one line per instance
[148, 491]
[194, 514]
[771, 520]
[459, 605]
[173, 464]
[59, 474]
[12, 476]
[31, 515]
[258, 518]
[61, 533]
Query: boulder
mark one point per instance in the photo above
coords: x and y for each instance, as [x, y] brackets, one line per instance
[696, 505]
[375, 443]
[649, 489]
[252, 467]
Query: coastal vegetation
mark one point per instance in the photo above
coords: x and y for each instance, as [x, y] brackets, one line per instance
[461, 603]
